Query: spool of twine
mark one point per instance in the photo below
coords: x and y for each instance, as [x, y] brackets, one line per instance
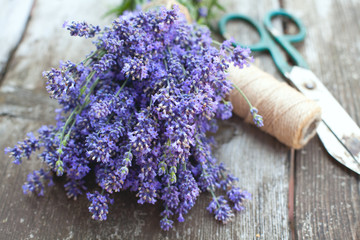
[288, 115]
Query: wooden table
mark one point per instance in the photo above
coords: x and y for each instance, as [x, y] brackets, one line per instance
[304, 194]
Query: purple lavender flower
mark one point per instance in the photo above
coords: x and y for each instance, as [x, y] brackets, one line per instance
[147, 193]
[74, 188]
[166, 224]
[35, 182]
[55, 84]
[203, 11]
[237, 197]
[82, 29]
[224, 213]
[23, 149]
[258, 119]
[109, 180]
[227, 45]
[221, 209]
[105, 63]
[170, 196]
[224, 110]
[99, 205]
[241, 57]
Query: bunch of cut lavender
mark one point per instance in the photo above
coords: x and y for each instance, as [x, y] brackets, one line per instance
[136, 112]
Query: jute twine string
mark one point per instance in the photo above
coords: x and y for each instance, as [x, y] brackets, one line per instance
[288, 115]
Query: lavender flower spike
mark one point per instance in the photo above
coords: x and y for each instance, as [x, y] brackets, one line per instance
[258, 119]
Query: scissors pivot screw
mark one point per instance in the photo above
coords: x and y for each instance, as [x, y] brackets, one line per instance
[309, 85]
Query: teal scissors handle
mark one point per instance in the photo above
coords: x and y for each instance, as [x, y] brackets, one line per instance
[267, 36]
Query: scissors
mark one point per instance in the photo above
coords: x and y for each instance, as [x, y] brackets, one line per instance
[339, 134]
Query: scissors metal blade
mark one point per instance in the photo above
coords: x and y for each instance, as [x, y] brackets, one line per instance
[338, 131]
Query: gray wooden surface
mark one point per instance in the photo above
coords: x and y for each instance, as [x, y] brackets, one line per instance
[327, 196]
[17, 13]
[323, 194]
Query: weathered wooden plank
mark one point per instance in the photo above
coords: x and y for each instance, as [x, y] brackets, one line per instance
[14, 16]
[327, 194]
[256, 158]
[45, 42]
[31, 105]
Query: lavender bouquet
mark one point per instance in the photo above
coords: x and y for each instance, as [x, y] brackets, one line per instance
[136, 112]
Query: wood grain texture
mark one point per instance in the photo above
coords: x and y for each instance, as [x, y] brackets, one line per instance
[328, 194]
[14, 16]
[45, 42]
[260, 162]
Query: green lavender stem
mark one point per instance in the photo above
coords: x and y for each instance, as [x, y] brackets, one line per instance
[243, 95]
[71, 120]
